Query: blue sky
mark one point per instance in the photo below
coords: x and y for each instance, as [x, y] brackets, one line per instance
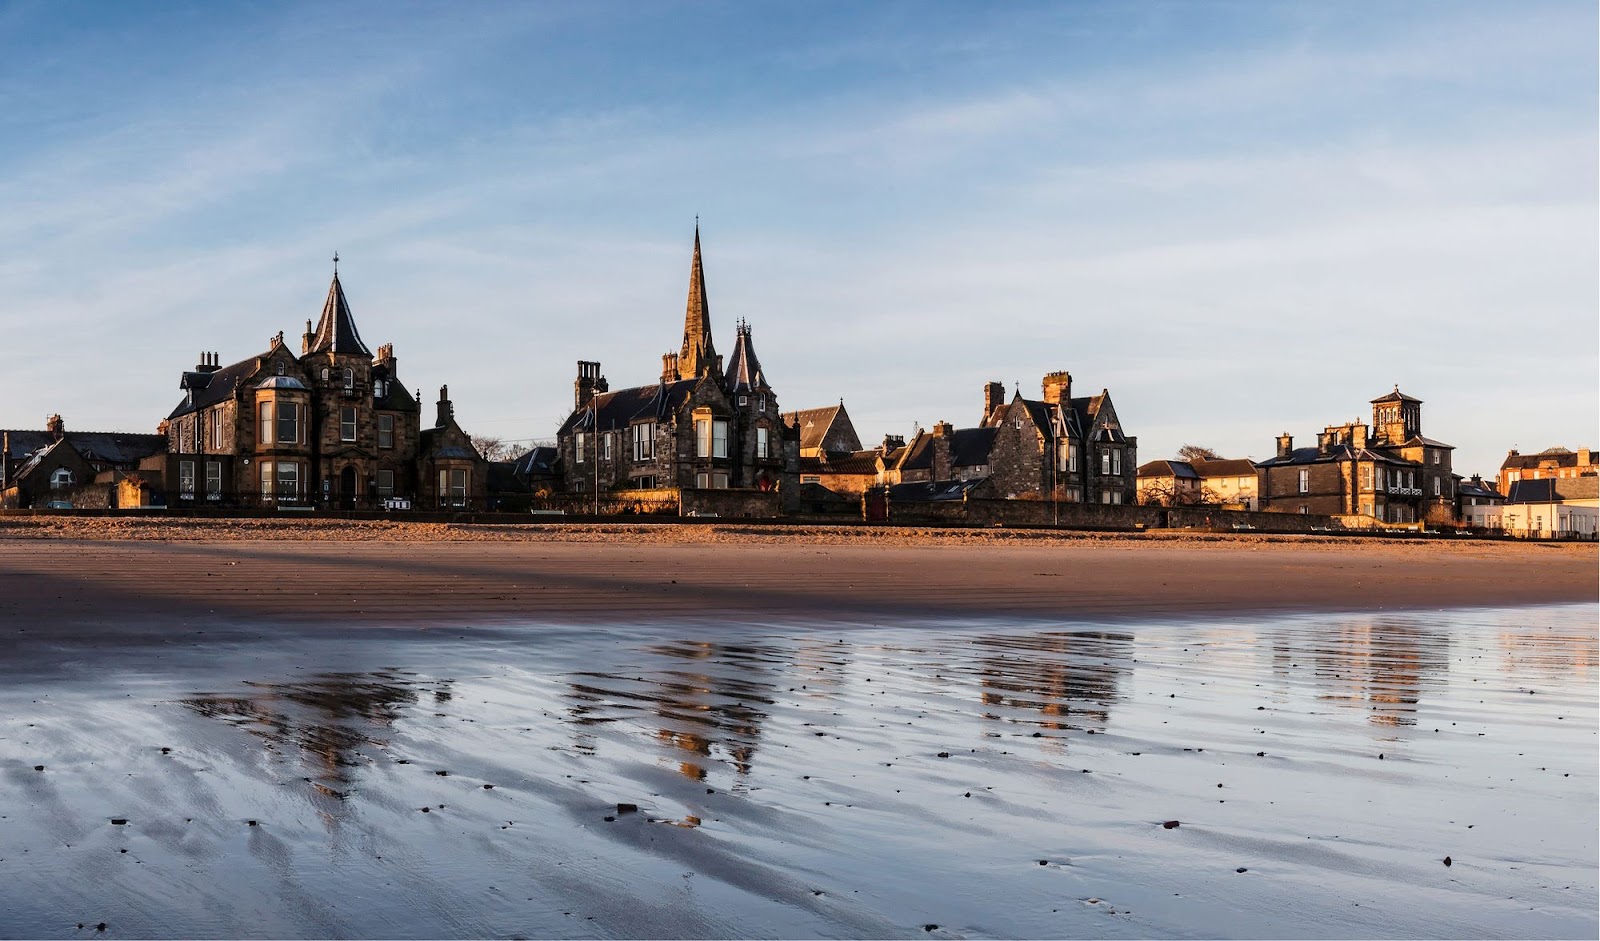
[1242, 218]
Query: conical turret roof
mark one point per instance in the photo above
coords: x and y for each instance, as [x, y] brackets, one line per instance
[336, 331]
[744, 368]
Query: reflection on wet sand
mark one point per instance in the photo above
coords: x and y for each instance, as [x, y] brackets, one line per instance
[1070, 678]
[1384, 665]
[324, 720]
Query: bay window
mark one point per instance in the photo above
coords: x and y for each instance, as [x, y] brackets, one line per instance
[288, 423]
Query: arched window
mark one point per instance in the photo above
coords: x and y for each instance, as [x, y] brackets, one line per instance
[61, 479]
[349, 378]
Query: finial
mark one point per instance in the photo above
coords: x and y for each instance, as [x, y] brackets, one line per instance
[336, 264]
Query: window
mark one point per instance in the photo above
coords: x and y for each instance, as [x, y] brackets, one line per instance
[288, 423]
[1366, 477]
[62, 478]
[719, 438]
[266, 480]
[1304, 510]
[644, 442]
[1105, 496]
[719, 481]
[702, 481]
[1436, 486]
[1438, 456]
[1105, 462]
[1072, 457]
[377, 389]
[385, 431]
[744, 400]
[1116, 462]
[761, 443]
[702, 437]
[761, 402]
[324, 374]
[647, 482]
[580, 447]
[347, 423]
[605, 447]
[264, 409]
[194, 431]
[288, 481]
[213, 479]
[215, 435]
[453, 487]
[385, 483]
[1305, 480]
[280, 367]
[349, 379]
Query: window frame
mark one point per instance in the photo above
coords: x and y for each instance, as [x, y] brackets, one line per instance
[347, 423]
[288, 415]
[213, 481]
[385, 431]
[264, 416]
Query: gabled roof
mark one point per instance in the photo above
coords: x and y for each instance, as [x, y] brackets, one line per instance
[107, 447]
[744, 369]
[619, 409]
[816, 424]
[1467, 488]
[336, 330]
[1554, 490]
[537, 462]
[35, 459]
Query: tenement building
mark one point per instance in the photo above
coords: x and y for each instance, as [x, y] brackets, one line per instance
[332, 427]
[1386, 470]
[701, 425]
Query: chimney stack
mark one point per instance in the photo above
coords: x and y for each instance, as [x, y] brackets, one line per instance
[386, 358]
[1285, 444]
[1057, 387]
[994, 396]
[942, 433]
[669, 367]
[583, 389]
[306, 338]
[447, 411]
[56, 427]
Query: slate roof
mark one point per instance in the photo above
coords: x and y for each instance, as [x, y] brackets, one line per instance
[1467, 488]
[106, 447]
[336, 329]
[1554, 457]
[845, 462]
[33, 461]
[970, 447]
[1554, 490]
[815, 423]
[536, 462]
[1224, 467]
[1173, 469]
[744, 368]
[938, 491]
[1339, 452]
[502, 477]
[621, 408]
[1395, 396]
[209, 388]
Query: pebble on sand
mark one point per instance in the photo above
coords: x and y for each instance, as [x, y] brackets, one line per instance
[1170, 824]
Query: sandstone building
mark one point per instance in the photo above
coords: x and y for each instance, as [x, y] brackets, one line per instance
[1386, 470]
[702, 425]
[333, 427]
[1549, 464]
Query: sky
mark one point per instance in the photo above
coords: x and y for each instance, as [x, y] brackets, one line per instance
[1240, 218]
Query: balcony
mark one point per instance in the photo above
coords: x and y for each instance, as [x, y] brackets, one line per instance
[1404, 491]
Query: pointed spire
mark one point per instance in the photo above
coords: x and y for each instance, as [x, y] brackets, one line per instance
[336, 330]
[744, 367]
[699, 354]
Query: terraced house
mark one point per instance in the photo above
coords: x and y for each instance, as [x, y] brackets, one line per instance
[701, 425]
[332, 427]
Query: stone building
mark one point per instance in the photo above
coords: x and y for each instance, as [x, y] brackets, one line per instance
[825, 431]
[1386, 470]
[1223, 482]
[1071, 447]
[56, 465]
[1549, 464]
[332, 427]
[701, 425]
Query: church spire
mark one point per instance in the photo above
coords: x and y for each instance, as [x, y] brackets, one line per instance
[699, 355]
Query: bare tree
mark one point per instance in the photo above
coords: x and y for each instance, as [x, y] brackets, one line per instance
[1197, 452]
[493, 449]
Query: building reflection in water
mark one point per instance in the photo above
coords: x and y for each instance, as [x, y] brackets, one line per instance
[1071, 679]
[708, 709]
[324, 720]
[1384, 666]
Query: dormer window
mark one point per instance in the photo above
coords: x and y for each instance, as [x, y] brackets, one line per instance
[280, 367]
[349, 379]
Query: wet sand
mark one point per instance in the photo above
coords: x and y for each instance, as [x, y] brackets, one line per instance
[936, 779]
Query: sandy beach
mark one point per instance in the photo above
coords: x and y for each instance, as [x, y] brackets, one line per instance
[392, 731]
[113, 573]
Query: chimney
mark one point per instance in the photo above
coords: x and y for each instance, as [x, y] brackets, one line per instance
[1057, 387]
[942, 433]
[669, 367]
[386, 358]
[584, 388]
[447, 411]
[890, 442]
[1324, 442]
[1285, 444]
[994, 396]
[208, 363]
[1358, 435]
[56, 427]
[1585, 457]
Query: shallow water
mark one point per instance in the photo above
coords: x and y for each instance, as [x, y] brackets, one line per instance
[838, 781]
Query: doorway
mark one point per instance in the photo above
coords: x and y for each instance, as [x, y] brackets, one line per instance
[347, 488]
